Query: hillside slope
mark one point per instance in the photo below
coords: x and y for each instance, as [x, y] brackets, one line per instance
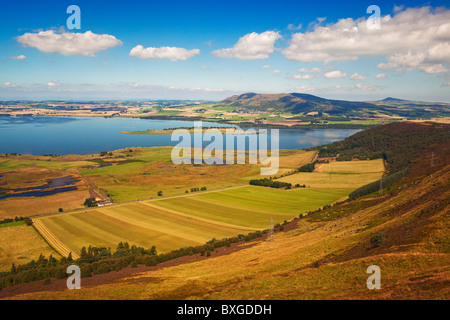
[322, 256]
[301, 103]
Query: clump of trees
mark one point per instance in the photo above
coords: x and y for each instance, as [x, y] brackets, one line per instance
[307, 167]
[27, 220]
[90, 202]
[198, 189]
[270, 183]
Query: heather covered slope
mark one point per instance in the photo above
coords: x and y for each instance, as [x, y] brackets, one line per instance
[321, 256]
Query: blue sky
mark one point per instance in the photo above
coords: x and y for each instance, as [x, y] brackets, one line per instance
[220, 48]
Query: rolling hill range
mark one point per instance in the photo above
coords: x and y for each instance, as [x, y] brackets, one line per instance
[403, 229]
[302, 104]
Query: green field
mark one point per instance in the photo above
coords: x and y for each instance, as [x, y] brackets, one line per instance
[190, 220]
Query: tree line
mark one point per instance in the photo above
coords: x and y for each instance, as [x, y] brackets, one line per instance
[385, 182]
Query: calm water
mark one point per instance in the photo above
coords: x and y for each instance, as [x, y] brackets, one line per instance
[82, 135]
[38, 193]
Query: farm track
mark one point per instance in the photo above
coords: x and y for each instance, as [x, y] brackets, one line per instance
[60, 247]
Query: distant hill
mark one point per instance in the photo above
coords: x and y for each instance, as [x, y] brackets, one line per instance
[302, 104]
[389, 99]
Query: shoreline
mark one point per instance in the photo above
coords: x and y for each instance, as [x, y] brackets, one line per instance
[244, 124]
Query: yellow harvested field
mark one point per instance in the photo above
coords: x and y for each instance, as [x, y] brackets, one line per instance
[20, 245]
[361, 166]
[320, 180]
[296, 158]
[41, 205]
[339, 175]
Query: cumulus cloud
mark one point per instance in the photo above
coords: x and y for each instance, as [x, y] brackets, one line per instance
[251, 46]
[9, 85]
[302, 77]
[21, 57]
[416, 38]
[67, 43]
[335, 74]
[357, 76]
[306, 70]
[267, 66]
[380, 76]
[172, 53]
[276, 71]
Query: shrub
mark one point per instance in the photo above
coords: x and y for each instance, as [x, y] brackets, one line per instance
[377, 240]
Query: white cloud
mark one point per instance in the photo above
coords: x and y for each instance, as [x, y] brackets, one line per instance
[207, 89]
[294, 27]
[365, 87]
[380, 76]
[302, 77]
[172, 53]
[267, 66]
[306, 89]
[416, 38]
[21, 57]
[9, 85]
[357, 76]
[335, 74]
[276, 71]
[313, 70]
[67, 43]
[415, 61]
[53, 84]
[204, 67]
[251, 46]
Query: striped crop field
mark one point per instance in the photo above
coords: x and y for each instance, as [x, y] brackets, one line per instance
[172, 223]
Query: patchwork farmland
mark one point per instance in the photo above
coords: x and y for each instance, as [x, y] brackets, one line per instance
[176, 222]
